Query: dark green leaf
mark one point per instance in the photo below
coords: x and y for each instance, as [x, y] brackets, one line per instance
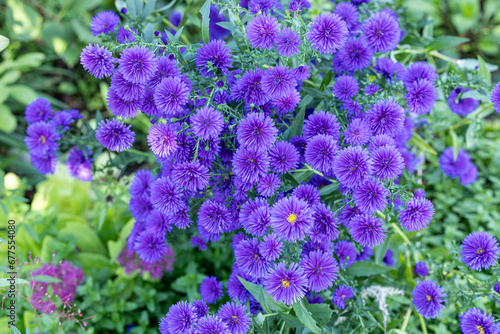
[291, 320]
[321, 312]
[45, 278]
[164, 8]
[326, 80]
[454, 144]
[328, 189]
[148, 9]
[305, 317]
[364, 268]
[314, 92]
[484, 72]
[298, 122]
[267, 303]
[205, 17]
[445, 42]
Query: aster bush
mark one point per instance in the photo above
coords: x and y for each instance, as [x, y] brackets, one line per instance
[307, 146]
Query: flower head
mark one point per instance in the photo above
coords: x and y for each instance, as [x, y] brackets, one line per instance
[381, 31]
[291, 218]
[278, 81]
[352, 166]
[211, 324]
[137, 64]
[358, 132]
[428, 299]
[162, 139]
[387, 161]
[479, 250]
[346, 252]
[419, 70]
[46, 164]
[355, 55]
[345, 87]
[79, 164]
[321, 270]
[421, 269]
[214, 217]
[421, 96]
[207, 123]
[104, 22]
[268, 184]
[150, 246]
[125, 36]
[190, 175]
[307, 193]
[321, 122]
[115, 135]
[341, 294]
[249, 88]
[462, 106]
[286, 285]
[386, 117]
[42, 139]
[218, 55]
[270, 247]
[257, 131]
[179, 319]
[38, 111]
[262, 31]
[325, 223]
[249, 259]
[367, 230]
[454, 167]
[235, 317]
[389, 68]
[287, 42]
[250, 165]
[495, 97]
[210, 289]
[328, 33]
[166, 196]
[171, 95]
[348, 13]
[321, 151]
[475, 321]
[417, 214]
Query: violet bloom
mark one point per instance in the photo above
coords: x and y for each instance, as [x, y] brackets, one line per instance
[38, 111]
[301, 73]
[215, 30]
[352, 166]
[321, 122]
[417, 214]
[270, 247]
[355, 55]
[321, 151]
[390, 69]
[214, 217]
[328, 33]
[45, 164]
[171, 95]
[428, 298]
[249, 88]
[386, 117]
[325, 223]
[321, 270]
[235, 317]
[250, 165]
[367, 230]
[286, 103]
[495, 97]
[125, 89]
[419, 70]
[346, 252]
[286, 285]
[421, 269]
[79, 164]
[210, 324]
[150, 246]
[341, 294]
[166, 196]
[138, 64]
[125, 36]
[475, 321]
[370, 196]
[345, 87]
[421, 96]
[348, 13]
[372, 89]
[454, 167]
[283, 157]
[479, 250]
[166, 68]
[381, 140]
[115, 135]
[462, 106]
[179, 319]
[207, 123]
[104, 22]
[262, 31]
[278, 81]
[42, 139]
[291, 218]
[358, 132]
[307, 193]
[268, 184]
[249, 259]
[469, 176]
[287, 42]
[218, 55]
[387, 161]
[211, 290]
[190, 175]
[381, 31]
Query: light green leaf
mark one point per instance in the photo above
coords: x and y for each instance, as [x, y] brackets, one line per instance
[266, 301]
[364, 268]
[421, 144]
[45, 278]
[131, 10]
[23, 21]
[5, 282]
[148, 9]
[445, 42]
[23, 94]
[86, 238]
[167, 6]
[16, 331]
[305, 317]
[8, 122]
[4, 42]
[298, 122]
[454, 144]
[483, 70]
[205, 17]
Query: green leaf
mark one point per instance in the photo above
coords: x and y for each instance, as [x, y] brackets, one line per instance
[321, 312]
[22, 94]
[4, 42]
[86, 238]
[454, 144]
[164, 8]
[45, 278]
[474, 94]
[23, 21]
[3, 241]
[148, 9]
[305, 317]
[421, 144]
[5, 282]
[326, 80]
[131, 10]
[149, 33]
[364, 268]
[205, 17]
[472, 133]
[16, 331]
[329, 189]
[291, 320]
[445, 42]
[484, 72]
[298, 122]
[266, 301]
[138, 7]
[8, 122]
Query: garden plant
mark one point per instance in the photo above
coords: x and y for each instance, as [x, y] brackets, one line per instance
[233, 167]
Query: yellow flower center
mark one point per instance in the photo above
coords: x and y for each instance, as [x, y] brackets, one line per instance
[292, 218]
[343, 297]
[285, 283]
[235, 319]
[42, 139]
[429, 297]
[256, 258]
[480, 250]
[480, 329]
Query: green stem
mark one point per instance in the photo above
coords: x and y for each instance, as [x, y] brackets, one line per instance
[422, 322]
[468, 120]
[309, 168]
[442, 56]
[407, 319]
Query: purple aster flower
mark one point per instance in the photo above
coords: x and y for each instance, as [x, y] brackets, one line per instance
[141, 208]
[166, 68]
[348, 214]
[62, 120]
[301, 73]
[248, 207]
[419, 70]
[419, 192]
[214, 217]
[215, 30]
[211, 290]
[417, 214]
[262, 30]
[372, 89]
[387, 161]
[321, 122]
[379, 141]
[479, 250]
[257, 131]
[345, 87]
[46, 164]
[421, 97]
[166, 196]
[286, 285]
[367, 230]
[125, 89]
[150, 246]
[181, 218]
[104, 22]
[271, 247]
[207, 123]
[148, 106]
[381, 32]
[218, 55]
[346, 252]
[358, 132]
[171, 95]
[355, 55]
[452, 167]
[359, 2]
[249, 88]
[286, 103]
[38, 111]
[179, 319]
[121, 107]
[328, 33]
[235, 289]
[196, 241]
[475, 321]
[348, 13]
[495, 97]
[461, 106]
[190, 175]
[268, 184]
[321, 151]
[365, 254]
[307, 193]
[287, 43]
[250, 165]
[386, 117]
[235, 317]
[278, 81]
[125, 36]
[469, 176]
[115, 135]
[258, 219]
[79, 164]
[428, 299]
[370, 196]
[42, 139]
[137, 64]
[291, 218]
[388, 260]
[325, 223]
[201, 308]
[211, 324]
[321, 270]
[341, 294]
[283, 157]
[249, 259]
[421, 269]
[352, 166]
[158, 223]
[389, 68]
[162, 139]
